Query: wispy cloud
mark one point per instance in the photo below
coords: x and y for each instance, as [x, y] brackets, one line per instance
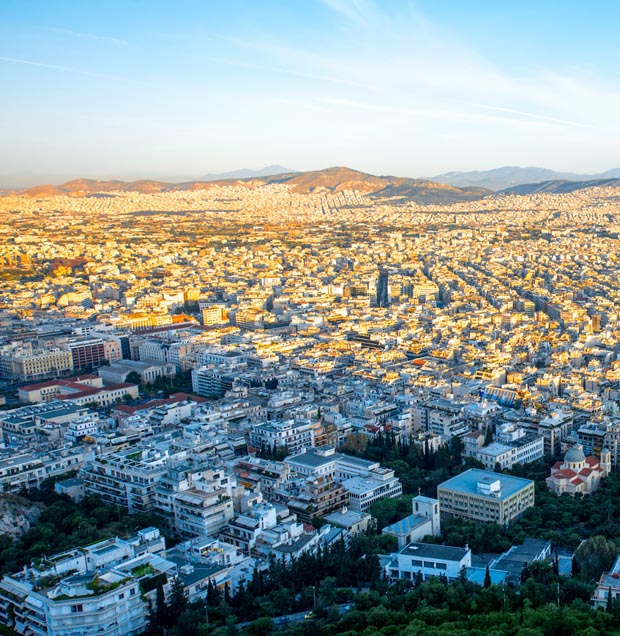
[283, 70]
[351, 9]
[104, 39]
[77, 71]
[55, 67]
[536, 116]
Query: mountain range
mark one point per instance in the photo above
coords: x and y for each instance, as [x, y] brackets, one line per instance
[243, 173]
[332, 180]
[560, 186]
[510, 176]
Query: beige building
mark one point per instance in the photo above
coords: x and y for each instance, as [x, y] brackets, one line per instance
[482, 495]
[28, 365]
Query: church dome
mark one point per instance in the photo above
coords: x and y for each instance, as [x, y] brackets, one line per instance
[574, 456]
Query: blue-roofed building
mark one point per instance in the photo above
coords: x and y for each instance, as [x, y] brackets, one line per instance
[424, 521]
[478, 574]
[483, 495]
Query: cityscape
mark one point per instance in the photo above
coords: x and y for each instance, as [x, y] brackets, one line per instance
[336, 399]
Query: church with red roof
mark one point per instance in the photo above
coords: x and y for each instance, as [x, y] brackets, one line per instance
[578, 473]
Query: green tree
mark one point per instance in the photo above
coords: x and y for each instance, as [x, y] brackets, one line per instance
[594, 556]
[487, 577]
[178, 600]
[133, 377]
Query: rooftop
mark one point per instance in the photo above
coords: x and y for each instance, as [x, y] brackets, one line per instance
[435, 551]
[467, 483]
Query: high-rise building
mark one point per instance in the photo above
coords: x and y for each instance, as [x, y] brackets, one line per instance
[87, 353]
[383, 294]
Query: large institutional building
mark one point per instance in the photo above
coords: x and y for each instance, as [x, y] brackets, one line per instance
[482, 495]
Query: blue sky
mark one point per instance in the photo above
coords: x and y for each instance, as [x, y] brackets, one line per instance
[150, 88]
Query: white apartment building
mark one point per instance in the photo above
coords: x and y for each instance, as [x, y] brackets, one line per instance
[80, 428]
[364, 491]
[29, 470]
[127, 478]
[365, 481]
[513, 446]
[296, 435]
[554, 428]
[83, 591]
[194, 502]
[446, 419]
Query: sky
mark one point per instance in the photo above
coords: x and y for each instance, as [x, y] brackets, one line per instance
[150, 88]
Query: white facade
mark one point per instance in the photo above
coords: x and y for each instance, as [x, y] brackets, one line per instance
[91, 590]
[295, 435]
[364, 491]
[81, 428]
[427, 560]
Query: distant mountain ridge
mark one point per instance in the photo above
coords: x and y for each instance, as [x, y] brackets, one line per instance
[334, 179]
[243, 173]
[510, 176]
[246, 173]
[560, 186]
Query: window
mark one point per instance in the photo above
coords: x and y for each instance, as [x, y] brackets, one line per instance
[429, 564]
[441, 566]
[417, 563]
[77, 608]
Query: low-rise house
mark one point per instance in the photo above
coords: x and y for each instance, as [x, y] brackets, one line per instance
[423, 521]
[427, 560]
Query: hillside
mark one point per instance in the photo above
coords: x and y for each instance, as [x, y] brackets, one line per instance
[509, 176]
[560, 186]
[17, 515]
[332, 180]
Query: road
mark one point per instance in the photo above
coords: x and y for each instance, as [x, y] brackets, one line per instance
[287, 619]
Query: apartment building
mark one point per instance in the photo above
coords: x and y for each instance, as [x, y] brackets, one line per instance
[513, 446]
[364, 491]
[295, 435]
[127, 478]
[554, 428]
[318, 498]
[96, 590]
[26, 471]
[194, 501]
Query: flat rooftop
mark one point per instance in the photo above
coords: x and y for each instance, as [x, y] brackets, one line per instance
[434, 551]
[346, 519]
[467, 483]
